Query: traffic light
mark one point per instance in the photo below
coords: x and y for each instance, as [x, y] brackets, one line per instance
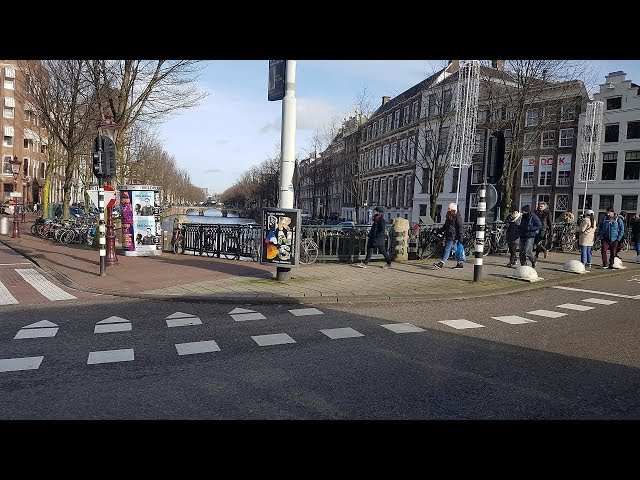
[104, 157]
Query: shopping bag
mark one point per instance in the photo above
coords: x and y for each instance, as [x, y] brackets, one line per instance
[460, 255]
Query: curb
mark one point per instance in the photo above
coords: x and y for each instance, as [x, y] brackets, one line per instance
[270, 299]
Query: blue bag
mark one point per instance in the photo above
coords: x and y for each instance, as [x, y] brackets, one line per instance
[460, 255]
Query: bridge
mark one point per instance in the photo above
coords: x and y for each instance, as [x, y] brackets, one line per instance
[197, 210]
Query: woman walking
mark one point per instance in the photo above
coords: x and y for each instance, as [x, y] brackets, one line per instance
[585, 239]
[452, 230]
[513, 234]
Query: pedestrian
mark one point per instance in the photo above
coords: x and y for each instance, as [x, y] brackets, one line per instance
[587, 231]
[611, 232]
[377, 239]
[452, 230]
[541, 239]
[513, 234]
[530, 226]
[635, 234]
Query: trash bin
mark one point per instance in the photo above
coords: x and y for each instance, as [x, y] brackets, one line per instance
[4, 225]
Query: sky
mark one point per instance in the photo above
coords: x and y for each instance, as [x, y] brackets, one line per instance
[236, 127]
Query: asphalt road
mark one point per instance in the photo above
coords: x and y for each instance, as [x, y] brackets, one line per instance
[581, 365]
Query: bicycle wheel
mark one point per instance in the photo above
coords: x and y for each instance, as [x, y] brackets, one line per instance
[253, 248]
[308, 251]
[67, 236]
[428, 250]
[178, 245]
[230, 249]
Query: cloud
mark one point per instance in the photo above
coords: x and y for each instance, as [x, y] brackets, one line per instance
[311, 113]
[274, 125]
[212, 170]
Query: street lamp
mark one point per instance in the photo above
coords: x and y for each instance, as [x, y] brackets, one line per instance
[16, 171]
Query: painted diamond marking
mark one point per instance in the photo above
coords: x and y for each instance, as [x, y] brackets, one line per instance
[110, 356]
[547, 313]
[241, 310]
[402, 328]
[114, 319]
[16, 364]
[299, 312]
[600, 301]
[460, 324]
[274, 339]
[183, 322]
[190, 348]
[181, 315]
[41, 324]
[335, 333]
[514, 319]
[36, 333]
[573, 306]
[248, 316]
[112, 327]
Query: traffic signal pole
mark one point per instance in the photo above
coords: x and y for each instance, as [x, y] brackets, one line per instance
[103, 240]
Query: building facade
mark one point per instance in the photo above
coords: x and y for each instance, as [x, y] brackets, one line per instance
[617, 182]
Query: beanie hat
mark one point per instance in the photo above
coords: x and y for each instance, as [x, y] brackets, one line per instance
[453, 206]
[610, 210]
[379, 209]
[526, 209]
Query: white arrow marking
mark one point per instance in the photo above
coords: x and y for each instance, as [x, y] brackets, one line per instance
[40, 324]
[114, 320]
[241, 310]
[181, 315]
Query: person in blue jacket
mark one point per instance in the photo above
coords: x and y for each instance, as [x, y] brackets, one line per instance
[530, 226]
[611, 232]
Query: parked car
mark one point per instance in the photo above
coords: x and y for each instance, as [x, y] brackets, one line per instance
[346, 225]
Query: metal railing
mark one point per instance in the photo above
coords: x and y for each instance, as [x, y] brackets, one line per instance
[217, 239]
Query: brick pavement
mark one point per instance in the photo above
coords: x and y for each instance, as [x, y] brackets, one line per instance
[190, 277]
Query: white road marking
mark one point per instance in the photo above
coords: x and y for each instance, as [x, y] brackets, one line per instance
[113, 319]
[240, 317]
[183, 322]
[181, 315]
[635, 297]
[402, 328]
[462, 323]
[547, 313]
[335, 333]
[514, 319]
[573, 306]
[17, 263]
[36, 333]
[298, 312]
[16, 364]
[274, 339]
[112, 327]
[110, 356]
[5, 296]
[197, 347]
[42, 285]
[241, 310]
[600, 301]
[41, 324]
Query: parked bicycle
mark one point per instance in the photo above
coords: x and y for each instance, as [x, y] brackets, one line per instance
[177, 241]
[234, 248]
[308, 251]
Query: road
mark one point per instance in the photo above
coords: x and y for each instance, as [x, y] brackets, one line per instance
[92, 357]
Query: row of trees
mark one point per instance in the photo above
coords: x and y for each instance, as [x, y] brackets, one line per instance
[73, 96]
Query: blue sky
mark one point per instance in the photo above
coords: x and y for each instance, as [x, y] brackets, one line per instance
[236, 127]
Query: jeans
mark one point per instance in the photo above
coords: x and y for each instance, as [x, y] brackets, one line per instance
[637, 248]
[609, 245]
[448, 247]
[526, 251]
[383, 251]
[585, 254]
[512, 251]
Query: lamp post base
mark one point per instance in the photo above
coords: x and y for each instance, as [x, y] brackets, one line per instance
[16, 225]
[111, 257]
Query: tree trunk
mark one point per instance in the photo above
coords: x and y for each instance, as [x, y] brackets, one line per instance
[45, 196]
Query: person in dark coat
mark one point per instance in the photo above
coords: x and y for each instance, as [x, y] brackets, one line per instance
[547, 227]
[611, 233]
[452, 230]
[513, 234]
[530, 226]
[377, 239]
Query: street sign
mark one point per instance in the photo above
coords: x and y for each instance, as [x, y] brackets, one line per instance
[491, 196]
[277, 79]
[109, 196]
[15, 194]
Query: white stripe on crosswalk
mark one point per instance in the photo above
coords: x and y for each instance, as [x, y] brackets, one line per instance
[460, 324]
[514, 319]
[547, 313]
[635, 297]
[110, 356]
[42, 285]
[16, 364]
[5, 296]
[599, 301]
[574, 306]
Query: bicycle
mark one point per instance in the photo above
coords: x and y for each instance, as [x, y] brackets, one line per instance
[233, 249]
[308, 251]
[177, 241]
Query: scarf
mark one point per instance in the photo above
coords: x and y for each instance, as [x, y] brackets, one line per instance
[377, 217]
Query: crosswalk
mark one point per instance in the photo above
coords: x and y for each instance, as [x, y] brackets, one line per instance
[29, 286]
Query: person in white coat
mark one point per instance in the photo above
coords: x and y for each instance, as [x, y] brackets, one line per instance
[587, 230]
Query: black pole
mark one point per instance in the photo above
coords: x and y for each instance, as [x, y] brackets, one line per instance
[102, 239]
[480, 221]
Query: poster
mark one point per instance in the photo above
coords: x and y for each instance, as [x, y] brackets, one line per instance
[280, 236]
[141, 225]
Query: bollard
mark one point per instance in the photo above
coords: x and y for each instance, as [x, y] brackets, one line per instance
[400, 239]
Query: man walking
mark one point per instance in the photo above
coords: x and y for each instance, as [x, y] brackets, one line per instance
[452, 230]
[530, 226]
[611, 232]
[541, 239]
[513, 234]
[377, 239]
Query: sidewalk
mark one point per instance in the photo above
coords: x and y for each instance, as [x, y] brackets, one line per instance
[189, 277]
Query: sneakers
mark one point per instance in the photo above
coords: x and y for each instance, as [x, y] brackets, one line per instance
[361, 265]
[545, 254]
[438, 265]
[459, 265]
[511, 265]
[610, 267]
[588, 266]
[386, 266]
[533, 264]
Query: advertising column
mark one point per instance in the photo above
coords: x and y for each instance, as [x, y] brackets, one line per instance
[280, 230]
[141, 225]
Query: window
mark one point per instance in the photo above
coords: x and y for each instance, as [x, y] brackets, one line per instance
[528, 165]
[482, 116]
[437, 218]
[403, 150]
[433, 109]
[446, 100]
[589, 203]
[546, 170]
[564, 171]
[405, 115]
[26, 142]
[614, 103]
[633, 130]
[385, 155]
[423, 210]
[568, 113]
[411, 153]
[606, 201]
[566, 137]
[381, 126]
[562, 203]
[7, 141]
[548, 139]
[396, 119]
[507, 139]
[414, 115]
[378, 157]
[394, 152]
[389, 122]
[383, 191]
[454, 181]
[400, 192]
[611, 133]
[632, 165]
[476, 173]
[375, 129]
[444, 140]
[526, 199]
[473, 200]
[368, 135]
[630, 203]
[549, 114]
[544, 197]
[609, 165]
[8, 112]
[6, 165]
[479, 144]
[530, 141]
[10, 83]
[532, 118]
